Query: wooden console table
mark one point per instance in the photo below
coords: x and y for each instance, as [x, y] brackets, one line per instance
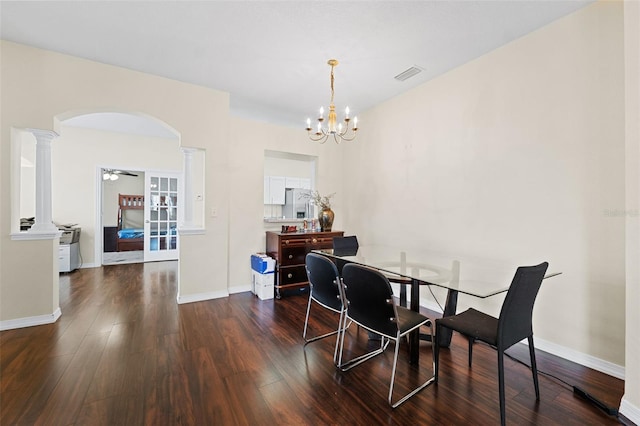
[290, 249]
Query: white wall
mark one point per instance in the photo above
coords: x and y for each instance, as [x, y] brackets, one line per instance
[518, 156]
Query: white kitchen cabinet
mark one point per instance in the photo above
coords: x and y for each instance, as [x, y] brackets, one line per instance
[292, 182]
[305, 183]
[68, 257]
[274, 189]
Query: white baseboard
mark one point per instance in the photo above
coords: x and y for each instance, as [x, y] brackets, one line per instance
[589, 361]
[200, 297]
[630, 411]
[583, 359]
[239, 288]
[30, 321]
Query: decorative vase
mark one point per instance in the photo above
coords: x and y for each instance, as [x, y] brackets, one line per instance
[326, 220]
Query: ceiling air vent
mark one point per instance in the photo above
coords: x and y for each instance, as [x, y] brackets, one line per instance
[407, 74]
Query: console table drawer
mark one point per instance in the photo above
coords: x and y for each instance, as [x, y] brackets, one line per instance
[290, 250]
[293, 255]
[292, 275]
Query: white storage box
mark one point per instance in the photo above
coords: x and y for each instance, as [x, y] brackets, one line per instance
[262, 284]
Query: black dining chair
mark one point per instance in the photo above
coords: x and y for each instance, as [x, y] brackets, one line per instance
[324, 284]
[344, 246]
[513, 325]
[370, 304]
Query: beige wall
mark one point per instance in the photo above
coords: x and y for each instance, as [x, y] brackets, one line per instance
[248, 141]
[38, 86]
[518, 155]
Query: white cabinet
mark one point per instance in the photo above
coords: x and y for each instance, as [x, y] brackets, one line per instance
[292, 182]
[274, 189]
[305, 183]
[68, 257]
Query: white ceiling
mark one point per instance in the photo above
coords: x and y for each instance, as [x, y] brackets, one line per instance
[271, 55]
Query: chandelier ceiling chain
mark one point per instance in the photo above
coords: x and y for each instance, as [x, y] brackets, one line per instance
[338, 133]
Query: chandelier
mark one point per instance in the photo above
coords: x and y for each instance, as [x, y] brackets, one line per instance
[336, 130]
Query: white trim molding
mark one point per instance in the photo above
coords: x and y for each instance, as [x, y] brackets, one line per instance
[35, 235]
[630, 411]
[239, 288]
[586, 360]
[30, 321]
[201, 297]
[191, 231]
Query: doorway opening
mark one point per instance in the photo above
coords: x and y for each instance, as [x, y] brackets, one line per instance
[115, 154]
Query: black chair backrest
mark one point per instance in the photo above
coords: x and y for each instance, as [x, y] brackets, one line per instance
[323, 280]
[370, 299]
[345, 246]
[515, 322]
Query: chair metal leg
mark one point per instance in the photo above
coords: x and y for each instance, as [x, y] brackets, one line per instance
[306, 320]
[432, 379]
[342, 323]
[501, 386]
[384, 342]
[534, 368]
[471, 340]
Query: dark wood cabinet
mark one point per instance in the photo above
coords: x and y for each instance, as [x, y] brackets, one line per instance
[289, 251]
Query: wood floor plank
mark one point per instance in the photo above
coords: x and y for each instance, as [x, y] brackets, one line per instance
[125, 353]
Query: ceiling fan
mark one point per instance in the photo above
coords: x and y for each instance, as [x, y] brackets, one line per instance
[113, 174]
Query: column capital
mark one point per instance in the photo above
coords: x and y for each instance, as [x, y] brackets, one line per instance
[43, 135]
[188, 151]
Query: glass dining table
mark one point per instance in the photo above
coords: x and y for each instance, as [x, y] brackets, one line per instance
[457, 274]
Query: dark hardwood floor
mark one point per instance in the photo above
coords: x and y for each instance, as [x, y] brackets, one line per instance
[124, 353]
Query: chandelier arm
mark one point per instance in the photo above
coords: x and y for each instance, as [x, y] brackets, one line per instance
[319, 138]
[349, 139]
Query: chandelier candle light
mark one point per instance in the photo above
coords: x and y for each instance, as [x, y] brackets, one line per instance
[338, 132]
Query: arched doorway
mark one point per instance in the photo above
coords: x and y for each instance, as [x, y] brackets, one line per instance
[131, 147]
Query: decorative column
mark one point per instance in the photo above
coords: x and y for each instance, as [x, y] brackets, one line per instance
[188, 187]
[43, 221]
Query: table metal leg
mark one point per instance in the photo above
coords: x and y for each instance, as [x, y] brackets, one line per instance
[444, 339]
[414, 337]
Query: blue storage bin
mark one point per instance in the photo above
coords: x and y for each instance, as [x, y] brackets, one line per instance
[262, 263]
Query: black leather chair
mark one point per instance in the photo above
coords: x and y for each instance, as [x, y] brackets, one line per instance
[370, 304]
[344, 246]
[324, 284]
[513, 325]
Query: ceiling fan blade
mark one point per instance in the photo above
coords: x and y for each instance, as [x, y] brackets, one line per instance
[124, 173]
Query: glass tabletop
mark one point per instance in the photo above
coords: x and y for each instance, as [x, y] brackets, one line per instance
[473, 276]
